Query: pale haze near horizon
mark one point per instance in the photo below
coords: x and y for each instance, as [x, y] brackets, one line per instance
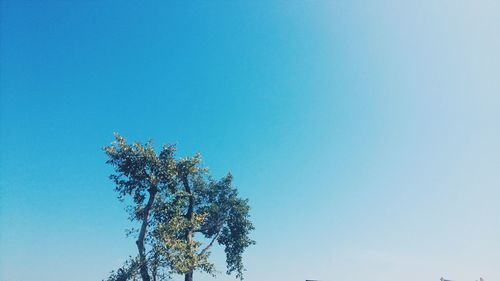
[365, 134]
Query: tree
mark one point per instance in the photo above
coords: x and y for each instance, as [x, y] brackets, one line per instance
[182, 212]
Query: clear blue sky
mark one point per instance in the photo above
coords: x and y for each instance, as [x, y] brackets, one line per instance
[366, 134]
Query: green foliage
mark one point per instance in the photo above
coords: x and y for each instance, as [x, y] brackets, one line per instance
[183, 212]
[129, 271]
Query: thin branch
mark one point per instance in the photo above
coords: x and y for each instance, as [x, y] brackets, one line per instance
[210, 245]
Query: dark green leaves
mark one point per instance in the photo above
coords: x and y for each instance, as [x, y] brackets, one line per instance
[190, 211]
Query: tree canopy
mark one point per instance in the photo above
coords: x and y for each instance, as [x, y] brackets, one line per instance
[182, 212]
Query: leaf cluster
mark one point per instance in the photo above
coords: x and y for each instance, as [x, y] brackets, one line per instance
[191, 210]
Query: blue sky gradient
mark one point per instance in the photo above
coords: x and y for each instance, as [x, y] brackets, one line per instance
[365, 133]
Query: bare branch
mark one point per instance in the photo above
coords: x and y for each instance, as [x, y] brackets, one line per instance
[210, 245]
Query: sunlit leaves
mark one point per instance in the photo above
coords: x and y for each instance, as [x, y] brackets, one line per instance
[190, 212]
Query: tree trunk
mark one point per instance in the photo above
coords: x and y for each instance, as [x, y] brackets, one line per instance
[188, 276]
[142, 234]
[189, 216]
